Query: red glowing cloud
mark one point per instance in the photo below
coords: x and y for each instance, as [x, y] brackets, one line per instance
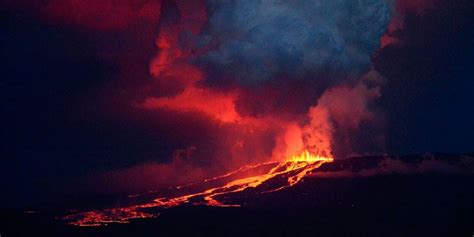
[226, 126]
[102, 14]
[94, 14]
[170, 65]
[213, 103]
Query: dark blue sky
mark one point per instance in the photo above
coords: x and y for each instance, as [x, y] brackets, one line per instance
[428, 97]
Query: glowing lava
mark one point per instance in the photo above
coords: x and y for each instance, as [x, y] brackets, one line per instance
[293, 169]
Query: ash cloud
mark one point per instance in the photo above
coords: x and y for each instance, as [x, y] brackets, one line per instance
[327, 45]
[257, 41]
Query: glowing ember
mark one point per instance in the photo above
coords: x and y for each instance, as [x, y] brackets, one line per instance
[293, 169]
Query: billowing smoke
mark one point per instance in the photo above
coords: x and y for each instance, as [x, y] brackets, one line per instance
[256, 41]
[216, 53]
[334, 119]
[250, 80]
[226, 54]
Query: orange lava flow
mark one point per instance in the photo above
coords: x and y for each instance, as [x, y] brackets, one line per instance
[293, 169]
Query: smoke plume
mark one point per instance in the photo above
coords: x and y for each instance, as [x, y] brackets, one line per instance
[257, 41]
[251, 80]
[215, 61]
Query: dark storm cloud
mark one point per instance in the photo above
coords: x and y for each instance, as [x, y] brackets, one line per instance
[255, 41]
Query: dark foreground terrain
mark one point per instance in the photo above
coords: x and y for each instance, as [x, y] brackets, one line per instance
[372, 196]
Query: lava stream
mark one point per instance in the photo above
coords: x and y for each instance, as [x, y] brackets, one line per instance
[293, 169]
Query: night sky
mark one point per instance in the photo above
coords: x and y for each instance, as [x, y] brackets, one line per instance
[107, 97]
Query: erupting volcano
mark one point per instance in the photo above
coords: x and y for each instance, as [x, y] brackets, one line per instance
[293, 170]
[236, 117]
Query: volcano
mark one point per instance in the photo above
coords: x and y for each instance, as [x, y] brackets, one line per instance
[377, 195]
[237, 118]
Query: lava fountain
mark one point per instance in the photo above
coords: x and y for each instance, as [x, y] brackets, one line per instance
[294, 169]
